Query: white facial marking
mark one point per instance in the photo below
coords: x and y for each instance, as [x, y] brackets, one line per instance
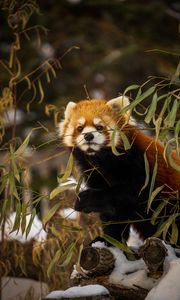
[95, 144]
[81, 121]
[68, 136]
[97, 121]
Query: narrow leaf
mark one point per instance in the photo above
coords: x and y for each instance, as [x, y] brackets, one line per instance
[147, 171]
[69, 168]
[125, 140]
[54, 262]
[61, 189]
[168, 155]
[23, 146]
[158, 210]
[113, 143]
[51, 213]
[174, 234]
[154, 194]
[16, 225]
[116, 243]
[33, 214]
[152, 109]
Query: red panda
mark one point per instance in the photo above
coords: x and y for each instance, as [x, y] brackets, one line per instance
[115, 185]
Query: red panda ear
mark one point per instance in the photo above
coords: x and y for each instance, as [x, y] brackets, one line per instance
[119, 103]
[69, 109]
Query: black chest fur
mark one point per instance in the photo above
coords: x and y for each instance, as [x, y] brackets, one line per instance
[105, 169]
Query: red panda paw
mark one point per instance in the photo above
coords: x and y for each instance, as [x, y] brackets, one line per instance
[83, 202]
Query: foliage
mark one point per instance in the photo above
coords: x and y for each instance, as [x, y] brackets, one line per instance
[161, 116]
[15, 168]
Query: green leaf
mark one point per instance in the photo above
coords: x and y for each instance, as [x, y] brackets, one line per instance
[61, 189]
[33, 214]
[23, 217]
[153, 195]
[23, 146]
[69, 168]
[158, 210]
[147, 173]
[139, 99]
[167, 224]
[12, 186]
[171, 117]
[130, 88]
[153, 179]
[124, 140]
[168, 155]
[117, 244]
[51, 212]
[113, 146]
[152, 109]
[14, 166]
[4, 208]
[67, 255]
[54, 262]
[174, 234]
[176, 137]
[17, 221]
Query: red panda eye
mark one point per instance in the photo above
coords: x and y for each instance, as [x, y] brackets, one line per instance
[79, 128]
[99, 128]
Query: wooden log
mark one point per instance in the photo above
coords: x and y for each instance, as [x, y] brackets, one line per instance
[153, 253]
[96, 261]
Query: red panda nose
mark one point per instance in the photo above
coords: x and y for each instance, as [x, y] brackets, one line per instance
[88, 136]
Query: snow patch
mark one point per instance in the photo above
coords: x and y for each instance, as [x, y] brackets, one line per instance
[79, 291]
[72, 180]
[129, 273]
[37, 232]
[69, 213]
[134, 241]
[168, 286]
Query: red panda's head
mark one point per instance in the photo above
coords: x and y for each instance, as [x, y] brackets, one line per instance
[89, 124]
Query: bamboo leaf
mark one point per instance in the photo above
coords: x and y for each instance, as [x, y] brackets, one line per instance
[174, 234]
[139, 99]
[153, 195]
[117, 244]
[125, 140]
[130, 88]
[158, 210]
[69, 168]
[152, 109]
[12, 186]
[147, 171]
[16, 225]
[169, 157]
[171, 117]
[41, 91]
[51, 212]
[4, 208]
[23, 146]
[176, 137]
[23, 217]
[33, 214]
[14, 166]
[113, 144]
[67, 255]
[54, 262]
[167, 225]
[61, 189]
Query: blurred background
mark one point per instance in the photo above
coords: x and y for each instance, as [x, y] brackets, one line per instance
[72, 50]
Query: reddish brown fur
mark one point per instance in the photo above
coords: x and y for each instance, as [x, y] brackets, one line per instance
[165, 173]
